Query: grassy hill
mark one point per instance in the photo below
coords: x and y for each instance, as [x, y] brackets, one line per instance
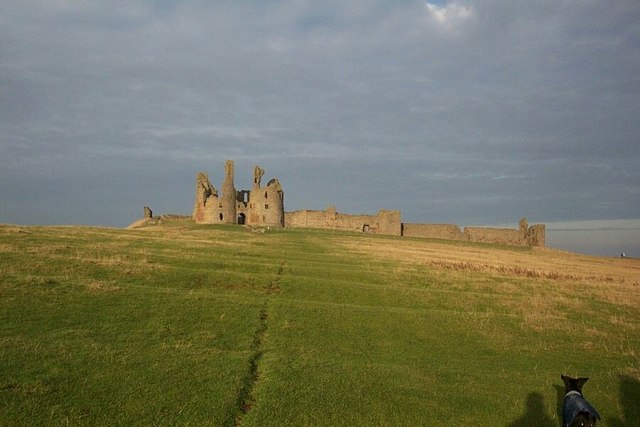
[205, 325]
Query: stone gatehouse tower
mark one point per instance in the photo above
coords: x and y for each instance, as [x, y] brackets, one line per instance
[260, 206]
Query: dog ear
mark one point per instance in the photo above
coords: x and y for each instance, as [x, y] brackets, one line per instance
[565, 379]
[581, 381]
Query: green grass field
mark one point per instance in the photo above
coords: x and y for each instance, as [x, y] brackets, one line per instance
[182, 324]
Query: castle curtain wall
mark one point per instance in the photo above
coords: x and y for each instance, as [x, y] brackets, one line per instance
[385, 222]
[524, 236]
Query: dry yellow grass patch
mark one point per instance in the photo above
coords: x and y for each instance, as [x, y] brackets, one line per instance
[535, 263]
[193, 238]
[541, 286]
[6, 248]
[100, 287]
[10, 229]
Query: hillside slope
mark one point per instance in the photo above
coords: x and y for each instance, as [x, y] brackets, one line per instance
[208, 325]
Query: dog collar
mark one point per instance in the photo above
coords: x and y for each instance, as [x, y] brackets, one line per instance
[573, 392]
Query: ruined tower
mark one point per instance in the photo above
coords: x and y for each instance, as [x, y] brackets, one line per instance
[205, 201]
[533, 235]
[266, 204]
[228, 202]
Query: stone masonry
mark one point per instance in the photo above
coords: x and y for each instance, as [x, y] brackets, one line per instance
[259, 207]
[385, 222]
[525, 235]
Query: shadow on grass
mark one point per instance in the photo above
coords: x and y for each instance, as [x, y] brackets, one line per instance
[535, 414]
[630, 402]
[560, 392]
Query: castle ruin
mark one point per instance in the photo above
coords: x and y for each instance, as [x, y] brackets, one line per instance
[264, 207]
[258, 207]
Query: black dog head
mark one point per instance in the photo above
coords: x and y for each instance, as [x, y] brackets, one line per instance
[573, 384]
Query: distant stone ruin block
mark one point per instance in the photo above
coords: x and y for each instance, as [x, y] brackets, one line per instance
[536, 235]
[389, 222]
[147, 212]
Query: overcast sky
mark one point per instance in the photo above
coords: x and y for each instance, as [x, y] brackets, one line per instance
[467, 112]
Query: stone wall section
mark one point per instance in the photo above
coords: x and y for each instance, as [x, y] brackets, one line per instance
[389, 222]
[523, 236]
[433, 231]
[495, 235]
[384, 222]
